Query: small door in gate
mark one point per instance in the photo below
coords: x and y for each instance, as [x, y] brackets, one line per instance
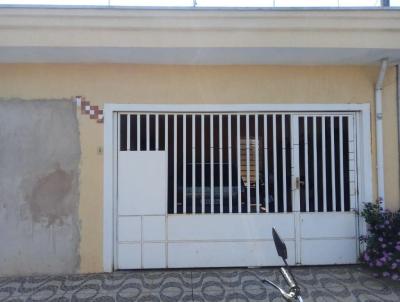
[324, 147]
[141, 207]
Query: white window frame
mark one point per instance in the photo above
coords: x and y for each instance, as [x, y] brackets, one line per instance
[364, 162]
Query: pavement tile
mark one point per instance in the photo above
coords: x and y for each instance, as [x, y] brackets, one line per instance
[174, 279]
[368, 295]
[318, 284]
[172, 295]
[317, 295]
[47, 298]
[44, 293]
[203, 278]
[129, 291]
[7, 292]
[267, 295]
[148, 297]
[104, 298]
[212, 294]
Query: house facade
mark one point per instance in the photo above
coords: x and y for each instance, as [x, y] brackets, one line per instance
[134, 139]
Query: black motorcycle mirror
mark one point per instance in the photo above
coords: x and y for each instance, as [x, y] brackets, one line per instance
[279, 245]
[294, 291]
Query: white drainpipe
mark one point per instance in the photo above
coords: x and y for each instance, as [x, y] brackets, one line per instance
[398, 108]
[379, 132]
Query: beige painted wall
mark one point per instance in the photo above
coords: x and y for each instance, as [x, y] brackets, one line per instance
[192, 84]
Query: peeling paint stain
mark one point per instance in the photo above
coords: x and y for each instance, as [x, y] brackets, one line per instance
[49, 201]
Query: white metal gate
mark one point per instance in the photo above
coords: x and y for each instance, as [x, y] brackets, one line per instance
[205, 189]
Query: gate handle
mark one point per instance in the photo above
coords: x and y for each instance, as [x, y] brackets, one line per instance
[299, 183]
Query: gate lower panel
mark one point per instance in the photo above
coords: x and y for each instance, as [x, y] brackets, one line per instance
[227, 240]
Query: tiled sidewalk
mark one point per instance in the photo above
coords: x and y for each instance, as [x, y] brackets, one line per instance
[341, 283]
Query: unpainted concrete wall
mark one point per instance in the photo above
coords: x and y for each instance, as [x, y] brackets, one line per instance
[39, 187]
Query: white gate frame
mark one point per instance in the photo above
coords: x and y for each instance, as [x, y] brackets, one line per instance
[364, 160]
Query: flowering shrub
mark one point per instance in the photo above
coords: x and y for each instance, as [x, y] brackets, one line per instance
[383, 240]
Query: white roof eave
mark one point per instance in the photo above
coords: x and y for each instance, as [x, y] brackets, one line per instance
[198, 36]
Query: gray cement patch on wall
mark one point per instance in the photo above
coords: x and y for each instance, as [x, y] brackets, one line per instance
[39, 187]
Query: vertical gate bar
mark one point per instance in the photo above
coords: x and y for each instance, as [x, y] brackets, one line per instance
[315, 163]
[148, 132]
[356, 146]
[166, 133]
[116, 141]
[221, 178]
[352, 162]
[266, 186]
[119, 131]
[333, 163]
[202, 166]
[212, 161]
[295, 135]
[128, 132]
[306, 163]
[184, 164]
[157, 134]
[175, 163]
[248, 161]
[138, 139]
[166, 142]
[230, 160]
[256, 150]
[341, 163]
[193, 163]
[275, 164]
[324, 190]
[284, 163]
[239, 162]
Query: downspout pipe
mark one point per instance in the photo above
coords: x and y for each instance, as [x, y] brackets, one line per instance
[379, 132]
[398, 109]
